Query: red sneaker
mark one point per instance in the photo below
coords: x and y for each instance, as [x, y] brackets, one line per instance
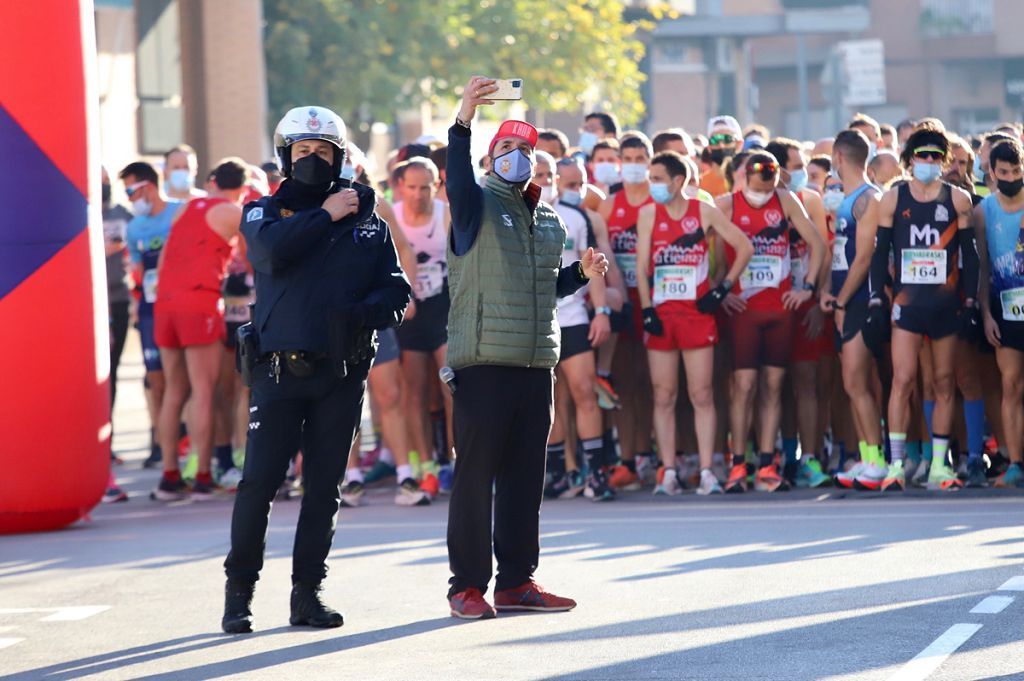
[531, 596]
[471, 605]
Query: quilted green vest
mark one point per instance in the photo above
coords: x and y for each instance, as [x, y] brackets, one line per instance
[503, 288]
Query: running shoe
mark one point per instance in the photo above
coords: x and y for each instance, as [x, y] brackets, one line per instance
[737, 481]
[470, 605]
[689, 470]
[410, 494]
[943, 478]
[811, 475]
[846, 479]
[203, 489]
[871, 478]
[291, 488]
[114, 494]
[768, 479]
[564, 485]
[230, 478]
[380, 471]
[718, 466]
[708, 484]
[1013, 477]
[668, 483]
[368, 458]
[895, 478]
[623, 479]
[431, 485]
[597, 488]
[920, 477]
[976, 474]
[647, 468]
[446, 478]
[169, 490]
[532, 597]
[352, 494]
[607, 398]
[997, 464]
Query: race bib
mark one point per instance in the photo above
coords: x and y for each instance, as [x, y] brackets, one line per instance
[923, 266]
[149, 286]
[675, 282]
[839, 263]
[627, 263]
[763, 271]
[429, 280]
[236, 309]
[1013, 304]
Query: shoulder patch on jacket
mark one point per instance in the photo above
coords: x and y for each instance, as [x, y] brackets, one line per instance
[368, 228]
[254, 214]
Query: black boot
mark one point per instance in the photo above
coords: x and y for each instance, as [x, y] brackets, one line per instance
[237, 607]
[308, 609]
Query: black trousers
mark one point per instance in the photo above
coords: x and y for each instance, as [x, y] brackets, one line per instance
[118, 334]
[501, 421]
[318, 415]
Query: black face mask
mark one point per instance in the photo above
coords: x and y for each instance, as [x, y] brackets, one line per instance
[106, 194]
[314, 173]
[1010, 188]
[719, 155]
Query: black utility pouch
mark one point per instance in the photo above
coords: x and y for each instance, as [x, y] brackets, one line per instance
[247, 351]
[339, 341]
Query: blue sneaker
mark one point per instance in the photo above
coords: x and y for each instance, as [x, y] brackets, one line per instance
[446, 478]
[1013, 477]
[811, 475]
[379, 471]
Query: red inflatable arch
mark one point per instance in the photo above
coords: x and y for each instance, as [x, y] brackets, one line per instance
[54, 395]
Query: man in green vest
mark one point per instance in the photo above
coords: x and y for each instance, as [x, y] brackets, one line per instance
[505, 276]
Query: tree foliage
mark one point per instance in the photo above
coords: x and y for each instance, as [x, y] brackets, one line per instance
[369, 59]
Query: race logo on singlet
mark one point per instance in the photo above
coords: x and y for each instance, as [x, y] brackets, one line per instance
[924, 236]
[941, 213]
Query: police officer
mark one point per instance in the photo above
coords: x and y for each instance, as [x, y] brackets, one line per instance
[327, 277]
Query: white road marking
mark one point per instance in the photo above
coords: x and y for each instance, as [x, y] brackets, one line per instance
[69, 614]
[1013, 584]
[8, 642]
[929, 659]
[992, 605]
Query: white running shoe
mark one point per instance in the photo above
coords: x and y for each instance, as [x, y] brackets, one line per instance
[846, 479]
[708, 484]
[669, 484]
[230, 478]
[410, 494]
[920, 477]
[871, 477]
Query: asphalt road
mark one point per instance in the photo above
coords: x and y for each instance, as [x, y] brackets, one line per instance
[804, 585]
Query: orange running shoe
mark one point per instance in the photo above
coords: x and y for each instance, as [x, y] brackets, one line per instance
[769, 480]
[621, 478]
[737, 481]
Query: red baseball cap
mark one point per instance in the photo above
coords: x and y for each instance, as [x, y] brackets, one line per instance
[513, 128]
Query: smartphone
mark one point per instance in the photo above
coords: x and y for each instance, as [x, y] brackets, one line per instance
[508, 88]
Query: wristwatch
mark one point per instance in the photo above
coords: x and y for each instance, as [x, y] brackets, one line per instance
[604, 309]
[461, 122]
[811, 286]
[836, 305]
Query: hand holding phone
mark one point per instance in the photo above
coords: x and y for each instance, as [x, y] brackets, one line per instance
[508, 89]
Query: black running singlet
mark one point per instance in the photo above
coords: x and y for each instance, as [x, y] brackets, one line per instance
[926, 250]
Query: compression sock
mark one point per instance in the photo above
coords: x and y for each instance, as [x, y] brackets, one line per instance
[928, 406]
[789, 447]
[974, 414]
[899, 443]
[556, 458]
[940, 448]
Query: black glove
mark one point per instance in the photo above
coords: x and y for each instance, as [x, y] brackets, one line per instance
[877, 325]
[652, 324]
[347, 337]
[712, 300]
[972, 329]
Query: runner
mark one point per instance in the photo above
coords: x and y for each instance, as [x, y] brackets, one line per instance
[855, 205]
[725, 139]
[678, 302]
[761, 311]
[189, 321]
[926, 223]
[999, 226]
[180, 168]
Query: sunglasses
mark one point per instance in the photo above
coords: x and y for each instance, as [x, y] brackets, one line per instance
[130, 191]
[721, 138]
[928, 154]
[766, 168]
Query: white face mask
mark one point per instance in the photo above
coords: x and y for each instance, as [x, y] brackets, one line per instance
[572, 197]
[547, 194]
[180, 180]
[587, 142]
[634, 173]
[606, 173]
[832, 199]
[757, 199]
[141, 207]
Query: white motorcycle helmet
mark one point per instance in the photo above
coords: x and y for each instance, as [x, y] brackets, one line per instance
[305, 123]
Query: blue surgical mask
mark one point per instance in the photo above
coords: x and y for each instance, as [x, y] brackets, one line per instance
[180, 180]
[141, 207]
[606, 173]
[660, 192]
[797, 180]
[978, 172]
[571, 197]
[513, 167]
[587, 142]
[634, 173]
[927, 172]
[832, 199]
[348, 172]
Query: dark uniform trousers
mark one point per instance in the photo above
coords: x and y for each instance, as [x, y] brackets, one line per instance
[319, 415]
[501, 421]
